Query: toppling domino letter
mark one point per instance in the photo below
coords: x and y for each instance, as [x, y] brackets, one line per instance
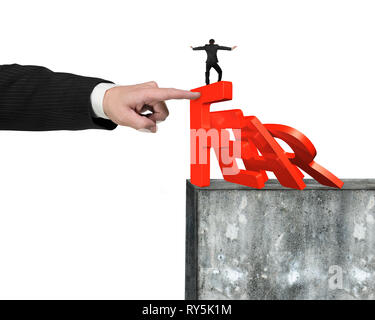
[254, 143]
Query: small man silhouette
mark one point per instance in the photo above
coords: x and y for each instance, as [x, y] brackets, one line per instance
[211, 62]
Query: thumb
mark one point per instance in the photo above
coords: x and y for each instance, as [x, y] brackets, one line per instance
[140, 122]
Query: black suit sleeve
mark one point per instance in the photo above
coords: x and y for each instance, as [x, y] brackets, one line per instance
[34, 98]
[224, 48]
[198, 48]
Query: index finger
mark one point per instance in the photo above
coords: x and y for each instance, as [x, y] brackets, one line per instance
[162, 94]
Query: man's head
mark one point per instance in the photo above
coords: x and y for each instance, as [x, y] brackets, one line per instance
[212, 41]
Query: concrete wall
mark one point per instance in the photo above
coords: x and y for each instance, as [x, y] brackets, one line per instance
[279, 243]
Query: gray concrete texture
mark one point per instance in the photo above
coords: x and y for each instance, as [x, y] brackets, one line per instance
[280, 243]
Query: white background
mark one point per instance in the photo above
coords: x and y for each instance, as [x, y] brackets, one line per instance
[101, 214]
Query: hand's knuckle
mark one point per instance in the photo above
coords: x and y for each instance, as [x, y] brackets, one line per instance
[147, 94]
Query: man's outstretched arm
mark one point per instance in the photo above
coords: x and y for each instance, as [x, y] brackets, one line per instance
[197, 48]
[34, 98]
[227, 48]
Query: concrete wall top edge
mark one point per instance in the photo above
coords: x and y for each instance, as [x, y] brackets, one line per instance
[273, 184]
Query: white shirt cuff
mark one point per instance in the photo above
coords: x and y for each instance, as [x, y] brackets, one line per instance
[97, 96]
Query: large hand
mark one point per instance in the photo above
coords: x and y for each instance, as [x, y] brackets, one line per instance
[124, 105]
[191, 47]
[234, 47]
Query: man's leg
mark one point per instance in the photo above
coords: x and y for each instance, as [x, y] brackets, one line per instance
[208, 67]
[219, 71]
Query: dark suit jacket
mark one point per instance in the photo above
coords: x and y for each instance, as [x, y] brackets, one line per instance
[211, 50]
[35, 98]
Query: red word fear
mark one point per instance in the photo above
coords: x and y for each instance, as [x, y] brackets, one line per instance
[254, 143]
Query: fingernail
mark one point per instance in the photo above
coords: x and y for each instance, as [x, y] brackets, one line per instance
[197, 95]
[149, 130]
[145, 130]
